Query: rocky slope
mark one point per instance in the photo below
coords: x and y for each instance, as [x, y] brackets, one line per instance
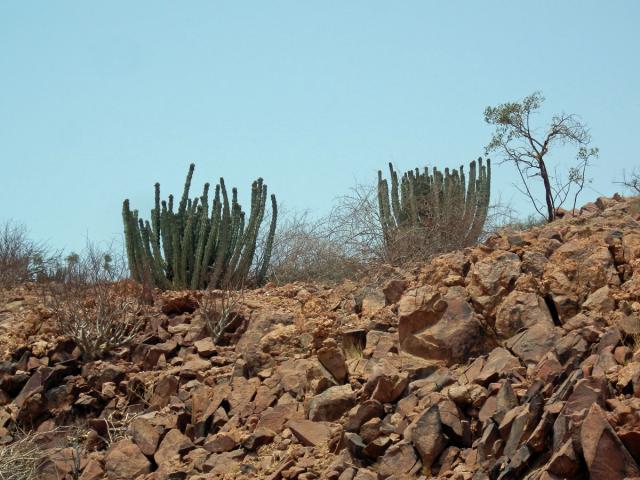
[515, 359]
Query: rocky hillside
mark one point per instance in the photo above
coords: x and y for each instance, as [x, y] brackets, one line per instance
[519, 358]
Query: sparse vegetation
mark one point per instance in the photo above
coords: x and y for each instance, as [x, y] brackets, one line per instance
[21, 259]
[219, 309]
[631, 181]
[20, 459]
[86, 307]
[309, 249]
[520, 143]
[190, 247]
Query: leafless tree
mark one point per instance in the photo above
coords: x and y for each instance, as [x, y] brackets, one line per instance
[520, 143]
[631, 181]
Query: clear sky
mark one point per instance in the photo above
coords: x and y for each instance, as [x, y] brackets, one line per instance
[99, 100]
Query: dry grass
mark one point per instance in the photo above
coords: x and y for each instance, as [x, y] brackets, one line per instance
[20, 460]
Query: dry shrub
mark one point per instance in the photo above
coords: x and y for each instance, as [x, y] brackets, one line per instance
[21, 259]
[21, 459]
[340, 245]
[219, 310]
[87, 308]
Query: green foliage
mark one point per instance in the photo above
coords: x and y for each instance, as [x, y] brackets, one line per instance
[197, 246]
[441, 210]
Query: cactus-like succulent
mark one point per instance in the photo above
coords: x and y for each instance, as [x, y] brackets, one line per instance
[445, 208]
[198, 245]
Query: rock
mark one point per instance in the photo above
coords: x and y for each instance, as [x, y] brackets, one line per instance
[468, 394]
[629, 325]
[491, 278]
[220, 442]
[600, 301]
[393, 291]
[372, 302]
[564, 462]
[332, 403]
[309, 433]
[258, 438]
[220, 464]
[386, 383]
[166, 386]
[438, 327]
[532, 344]
[172, 447]
[332, 358]
[377, 447]
[180, 305]
[125, 461]
[521, 310]
[92, 471]
[354, 444]
[205, 347]
[362, 413]
[145, 435]
[605, 455]
[427, 436]
[499, 363]
[398, 459]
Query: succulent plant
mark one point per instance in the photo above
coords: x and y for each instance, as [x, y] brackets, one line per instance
[199, 246]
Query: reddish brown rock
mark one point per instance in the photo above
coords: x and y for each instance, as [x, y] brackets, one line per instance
[427, 436]
[393, 291]
[145, 435]
[172, 447]
[499, 363]
[125, 461]
[521, 310]
[180, 305]
[605, 455]
[310, 433]
[332, 403]
[438, 327]
[332, 358]
[399, 459]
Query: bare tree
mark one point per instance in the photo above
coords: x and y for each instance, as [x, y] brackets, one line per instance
[631, 181]
[520, 143]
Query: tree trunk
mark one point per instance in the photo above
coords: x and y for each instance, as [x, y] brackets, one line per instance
[548, 194]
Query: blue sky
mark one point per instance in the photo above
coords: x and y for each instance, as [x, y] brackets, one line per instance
[99, 100]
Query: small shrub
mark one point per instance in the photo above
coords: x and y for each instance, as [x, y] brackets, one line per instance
[21, 259]
[219, 309]
[88, 309]
[308, 250]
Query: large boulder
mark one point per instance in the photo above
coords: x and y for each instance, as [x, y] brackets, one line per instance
[439, 327]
